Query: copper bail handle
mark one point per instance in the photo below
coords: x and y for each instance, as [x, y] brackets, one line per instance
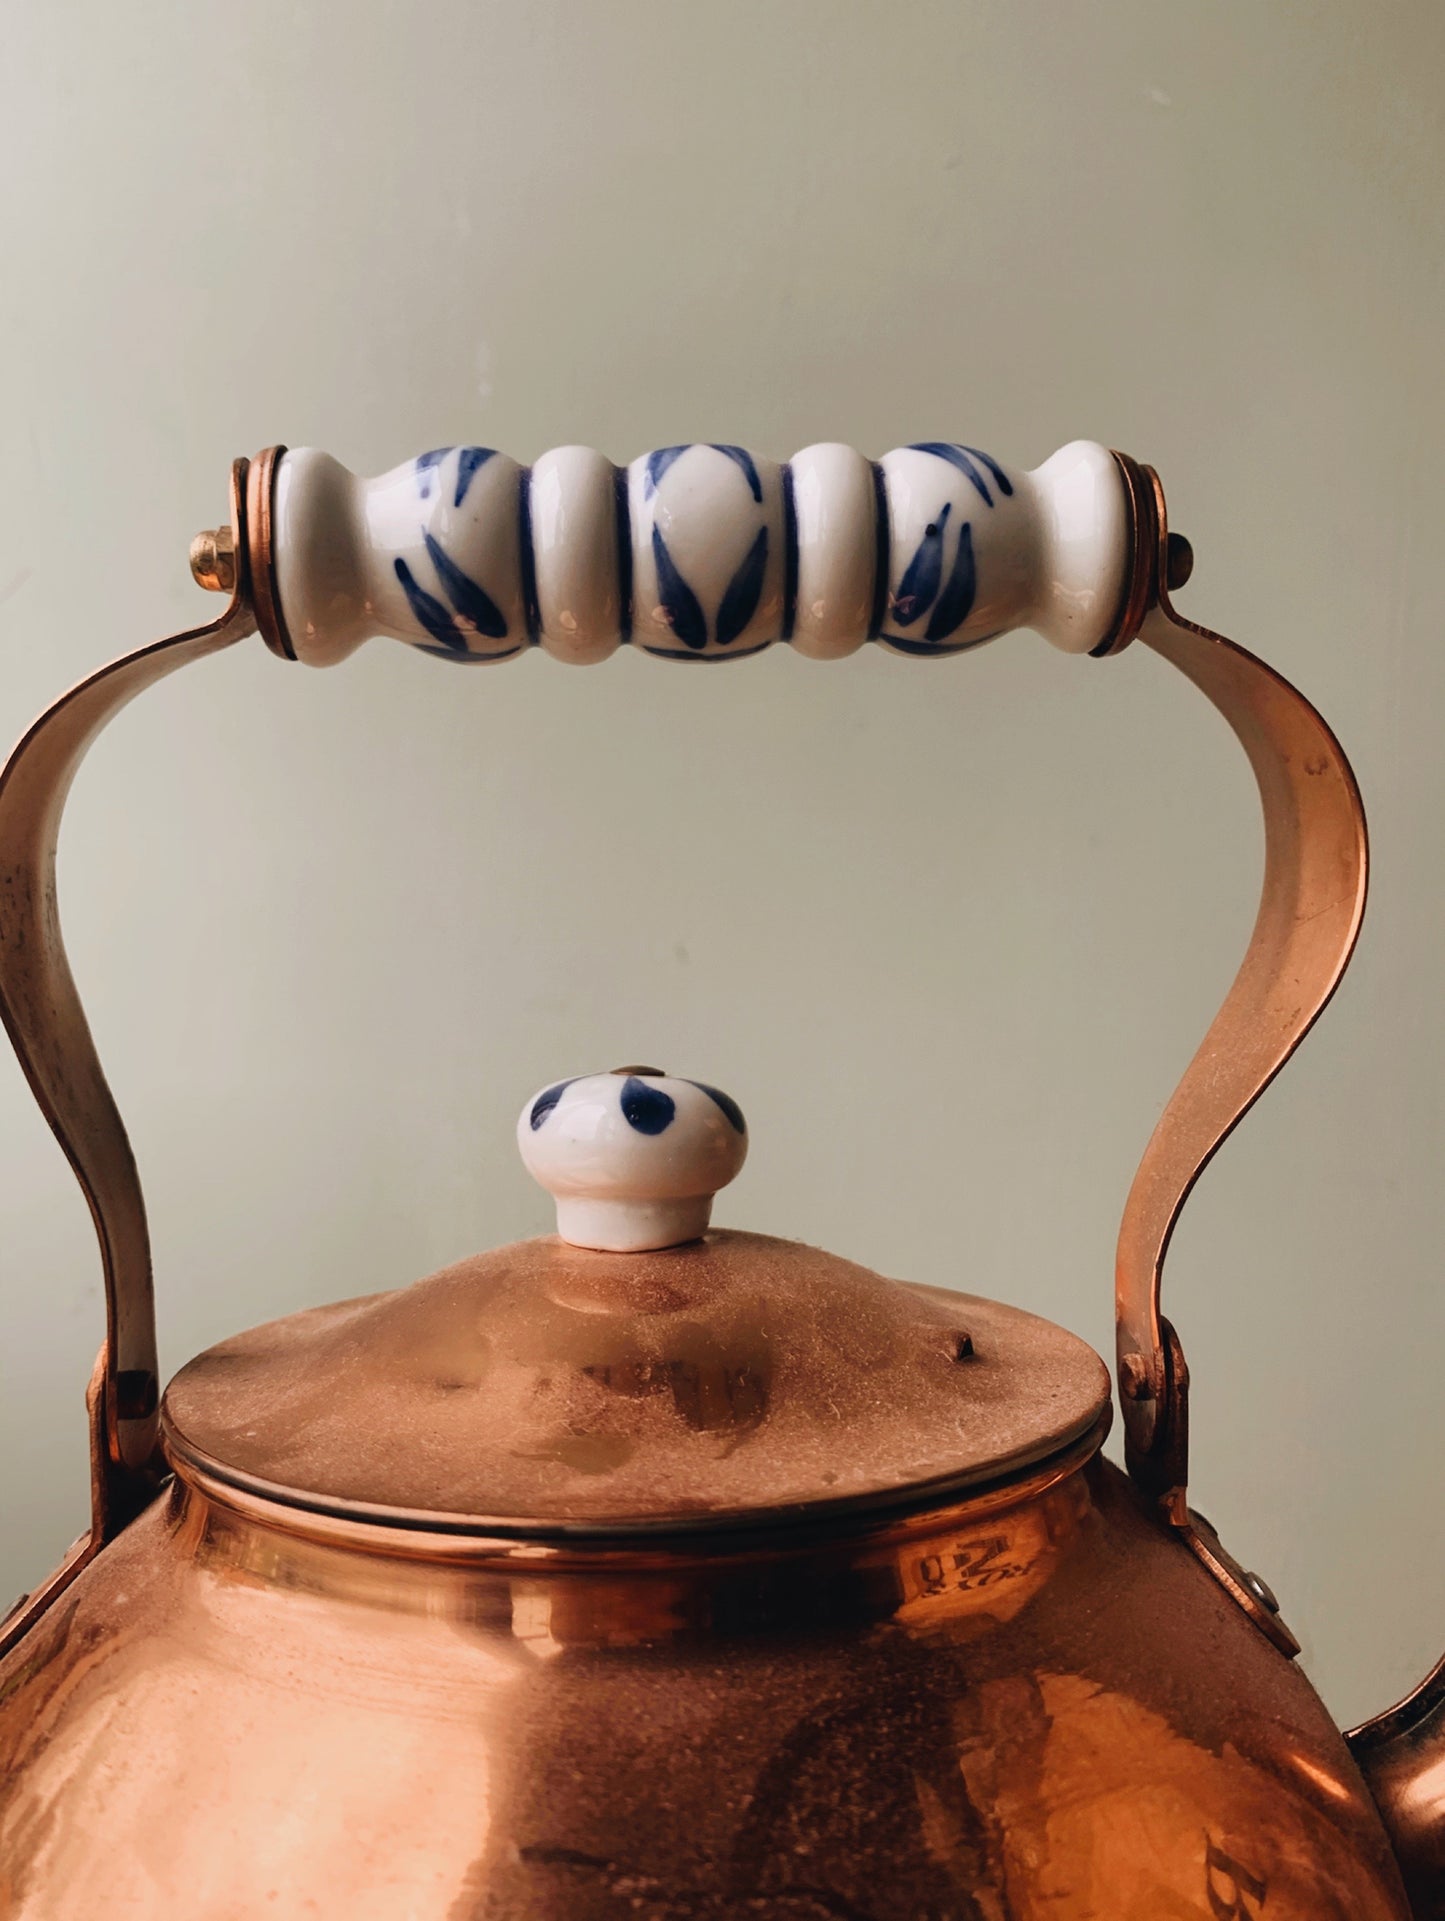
[46, 1023]
[1311, 905]
[1309, 916]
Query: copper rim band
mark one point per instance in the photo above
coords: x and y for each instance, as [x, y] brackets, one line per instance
[669, 1541]
[1140, 585]
[261, 550]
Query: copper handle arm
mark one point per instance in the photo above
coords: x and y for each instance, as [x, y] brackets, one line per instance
[1311, 905]
[51, 1037]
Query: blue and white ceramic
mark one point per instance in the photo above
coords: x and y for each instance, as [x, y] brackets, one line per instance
[700, 552]
[633, 1158]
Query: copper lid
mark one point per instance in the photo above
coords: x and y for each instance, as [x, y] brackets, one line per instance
[548, 1386]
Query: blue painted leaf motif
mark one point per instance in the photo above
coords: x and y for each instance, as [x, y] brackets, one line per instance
[658, 462]
[426, 466]
[964, 458]
[726, 1102]
[468, 461]
[430, 612]
[921, 576]
[955, 603]
[1001, 479]
[744, 591]
[960, 457]
[473, 603]
[745, 460]
[646, 1108]
[679, 602]
[546, 1101]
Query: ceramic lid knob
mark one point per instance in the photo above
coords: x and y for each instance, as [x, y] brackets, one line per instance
[633, 1157]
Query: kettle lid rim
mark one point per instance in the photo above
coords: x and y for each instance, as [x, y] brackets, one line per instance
[709, 1532]
[544, 1389]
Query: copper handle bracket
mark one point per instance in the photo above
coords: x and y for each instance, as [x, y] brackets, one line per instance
[1313, 898]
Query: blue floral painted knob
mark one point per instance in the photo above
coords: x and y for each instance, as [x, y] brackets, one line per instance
[634, 1157]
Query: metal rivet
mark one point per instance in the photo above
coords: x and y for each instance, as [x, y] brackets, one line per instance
[1261, 1590]
[1134, 1382]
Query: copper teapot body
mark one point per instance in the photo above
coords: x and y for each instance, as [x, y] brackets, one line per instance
[1026, 1705]
[702, 1576]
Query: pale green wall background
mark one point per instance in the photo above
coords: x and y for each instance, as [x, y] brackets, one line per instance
[948, 932]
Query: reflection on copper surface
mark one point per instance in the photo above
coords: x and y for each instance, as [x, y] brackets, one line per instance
[1330, 1781]
[1024, 1705]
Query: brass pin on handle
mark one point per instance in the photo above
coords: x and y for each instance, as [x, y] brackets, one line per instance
[213, 559]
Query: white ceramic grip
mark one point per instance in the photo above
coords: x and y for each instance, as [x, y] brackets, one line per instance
[699, 552]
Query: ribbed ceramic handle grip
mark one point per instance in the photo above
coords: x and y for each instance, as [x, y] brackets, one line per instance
[698, 552]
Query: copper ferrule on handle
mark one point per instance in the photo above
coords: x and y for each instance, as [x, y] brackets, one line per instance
[261, 550]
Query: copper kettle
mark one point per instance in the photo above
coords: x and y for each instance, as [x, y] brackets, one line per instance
[652, 1570]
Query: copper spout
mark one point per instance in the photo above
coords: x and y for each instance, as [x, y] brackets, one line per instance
[1401, 1754]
